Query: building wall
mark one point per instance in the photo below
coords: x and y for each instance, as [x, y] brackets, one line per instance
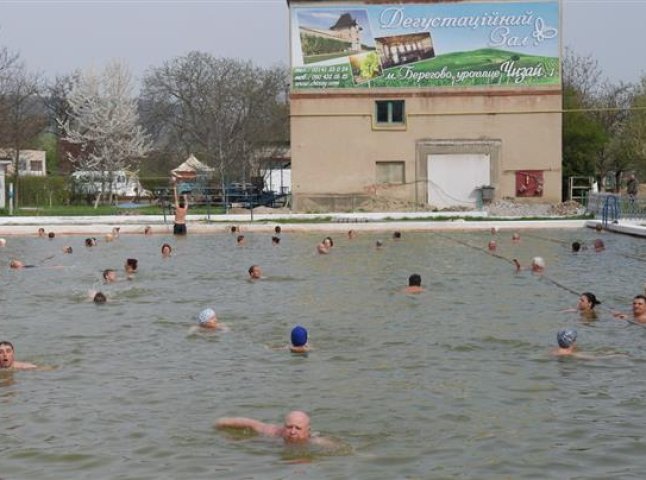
[335, 143]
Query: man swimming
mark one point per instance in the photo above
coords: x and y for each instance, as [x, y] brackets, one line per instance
[566, 340]
[7, 359]
[255, 273]
[298, 338]
[414, 284]
[639, 310]
[294, 430]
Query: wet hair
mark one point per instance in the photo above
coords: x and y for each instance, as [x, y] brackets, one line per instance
[234, 229]
[89, 242]
[598, 227]
[8, 343]
[106, 272]
[99, 297]
[330, 239]
[239, 238]
[277, 229]
[598, 244]
[166, 245]
[397, 234]
[415, 280]
[592, 298]
[379, 243]
[51, 235]
[148, 229]
[132, 263]
[251, 269]
[642, 297]
[41, 230]
[576, 246]
[68, 249]
[275, 239]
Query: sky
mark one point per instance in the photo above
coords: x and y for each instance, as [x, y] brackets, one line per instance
[57, 37]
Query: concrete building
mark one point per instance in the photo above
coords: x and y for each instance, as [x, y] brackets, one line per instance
[30, 162]
[443, 99]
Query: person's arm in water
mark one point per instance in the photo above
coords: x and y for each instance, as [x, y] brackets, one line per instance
[517, 265]
[249, 423]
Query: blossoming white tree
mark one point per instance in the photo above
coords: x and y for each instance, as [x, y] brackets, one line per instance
[103, 123]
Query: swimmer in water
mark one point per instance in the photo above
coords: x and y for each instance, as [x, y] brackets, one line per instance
[566, 340]
[148, 230]
[255, 273]
[585, 306]
[537, 265]
[166, 250]
[491, 246]
[275, 240]
[90, 242]
[414, 284]
[397, 235]
[598, 245]
[638, 313]
[109, 276]
[299, 340]
[67, 249]
[51, 235]
[515, 238]
[295, 429]
[325, 246]
[352, 234]
[493, 230]
[108, 237]
[3, 243]
[131, 267]
[277, 230]
[379, 244]
[240, 240]
[207, 318]
[99, 298]
[41, 232]
[7, 358]
[576, 247]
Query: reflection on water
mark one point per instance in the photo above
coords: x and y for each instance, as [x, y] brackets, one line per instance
[454, 382]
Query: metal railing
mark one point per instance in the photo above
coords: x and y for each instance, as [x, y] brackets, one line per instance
[611, 207]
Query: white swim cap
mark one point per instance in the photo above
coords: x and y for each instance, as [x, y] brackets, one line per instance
[205, 315]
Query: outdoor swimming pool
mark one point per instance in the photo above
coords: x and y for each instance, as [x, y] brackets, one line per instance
[456, 382]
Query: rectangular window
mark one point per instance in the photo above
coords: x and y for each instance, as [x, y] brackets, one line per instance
[390, 112]
[36, 166]
[390, 173]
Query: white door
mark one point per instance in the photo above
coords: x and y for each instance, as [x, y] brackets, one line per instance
[453, 178]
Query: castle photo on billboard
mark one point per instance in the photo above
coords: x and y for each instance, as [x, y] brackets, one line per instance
[331, 33]
[402, 49]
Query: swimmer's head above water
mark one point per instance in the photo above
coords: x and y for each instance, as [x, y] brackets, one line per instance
[566, 337]
[298, 338]
[207, 318]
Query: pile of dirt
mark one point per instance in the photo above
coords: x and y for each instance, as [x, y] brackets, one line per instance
[511, 208]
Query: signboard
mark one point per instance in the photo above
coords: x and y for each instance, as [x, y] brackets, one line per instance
[503, 44]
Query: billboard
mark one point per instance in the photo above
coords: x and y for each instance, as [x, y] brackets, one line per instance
[440, 45]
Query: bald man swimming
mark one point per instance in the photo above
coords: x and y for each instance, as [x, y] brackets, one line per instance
[295, 428]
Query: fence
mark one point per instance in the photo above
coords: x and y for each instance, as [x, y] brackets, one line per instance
[612, 207]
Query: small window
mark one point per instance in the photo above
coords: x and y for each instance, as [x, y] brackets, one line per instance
[390, 172]
[390, 112]
[36, 166]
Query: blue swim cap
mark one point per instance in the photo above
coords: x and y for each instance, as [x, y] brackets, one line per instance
[566, 337]
[299, 336]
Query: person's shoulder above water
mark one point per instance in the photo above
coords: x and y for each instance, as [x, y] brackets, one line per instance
[7, 358]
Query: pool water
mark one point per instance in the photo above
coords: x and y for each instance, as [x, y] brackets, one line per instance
[455, 382]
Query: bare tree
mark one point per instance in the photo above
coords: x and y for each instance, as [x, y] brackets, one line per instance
[222, 110]
[21, 113]
[104, 123]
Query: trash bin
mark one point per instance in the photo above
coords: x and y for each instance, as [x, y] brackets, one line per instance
[487, 193]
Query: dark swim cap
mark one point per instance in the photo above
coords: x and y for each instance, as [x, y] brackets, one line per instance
[299, 336]
[566, 338]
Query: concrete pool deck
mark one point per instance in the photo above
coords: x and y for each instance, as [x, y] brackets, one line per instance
[265, 223]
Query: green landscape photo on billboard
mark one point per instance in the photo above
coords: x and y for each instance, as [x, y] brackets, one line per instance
[510, 45]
